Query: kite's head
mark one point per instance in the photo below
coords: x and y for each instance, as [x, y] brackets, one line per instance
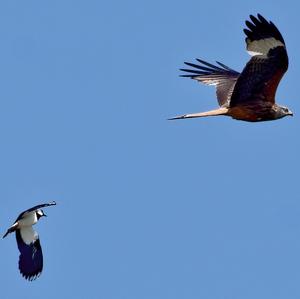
[283, 111]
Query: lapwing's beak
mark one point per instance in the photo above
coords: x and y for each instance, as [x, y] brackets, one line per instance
[44, 215]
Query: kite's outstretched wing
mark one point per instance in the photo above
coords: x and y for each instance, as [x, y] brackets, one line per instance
[259, 79]
[223, 77]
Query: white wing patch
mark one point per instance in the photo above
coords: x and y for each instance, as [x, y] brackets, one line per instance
[28, 234]
[262, 46]
[207, 80]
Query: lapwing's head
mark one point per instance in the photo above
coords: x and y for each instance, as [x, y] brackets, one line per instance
[40, 213]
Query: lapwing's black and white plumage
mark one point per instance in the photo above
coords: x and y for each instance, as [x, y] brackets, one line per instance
[31, 256]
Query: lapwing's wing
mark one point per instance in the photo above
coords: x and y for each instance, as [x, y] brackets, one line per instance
[260, 78]
[15, 225]
[31, 256]
[52, 203]
[223, 77]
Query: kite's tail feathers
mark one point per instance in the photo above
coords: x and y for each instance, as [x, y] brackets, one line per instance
[216, 112]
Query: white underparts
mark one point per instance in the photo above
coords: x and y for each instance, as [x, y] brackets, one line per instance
[25, 226]
[28, 234]
[29, 218]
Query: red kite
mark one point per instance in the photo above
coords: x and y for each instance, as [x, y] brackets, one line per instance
[249, 95]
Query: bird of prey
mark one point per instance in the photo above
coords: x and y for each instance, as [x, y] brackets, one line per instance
[249, 95]
[31, 256]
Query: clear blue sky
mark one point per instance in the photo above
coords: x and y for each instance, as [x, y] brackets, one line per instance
[147, 208]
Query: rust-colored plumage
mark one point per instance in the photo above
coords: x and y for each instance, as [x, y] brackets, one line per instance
[249, 95]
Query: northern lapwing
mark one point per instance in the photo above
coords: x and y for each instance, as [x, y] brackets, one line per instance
[31, 256]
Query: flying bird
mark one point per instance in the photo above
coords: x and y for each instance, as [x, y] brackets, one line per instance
[249, 95]
[31, 256]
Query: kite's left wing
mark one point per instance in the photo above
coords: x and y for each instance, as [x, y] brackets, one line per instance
[223, 77]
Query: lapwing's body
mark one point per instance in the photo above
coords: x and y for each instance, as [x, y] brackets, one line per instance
[31, 256]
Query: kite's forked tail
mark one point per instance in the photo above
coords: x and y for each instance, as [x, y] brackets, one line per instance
[216, 112]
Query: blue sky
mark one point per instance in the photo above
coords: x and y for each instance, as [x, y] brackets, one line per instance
[147, 208]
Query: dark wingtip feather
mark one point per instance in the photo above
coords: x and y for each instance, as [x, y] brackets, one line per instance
[247, 32]
[207, 69]
[254, 20]
[250, 25]
[224, 66]
[262, 19]
[260, 28]
[211, 66]
[192, 71]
